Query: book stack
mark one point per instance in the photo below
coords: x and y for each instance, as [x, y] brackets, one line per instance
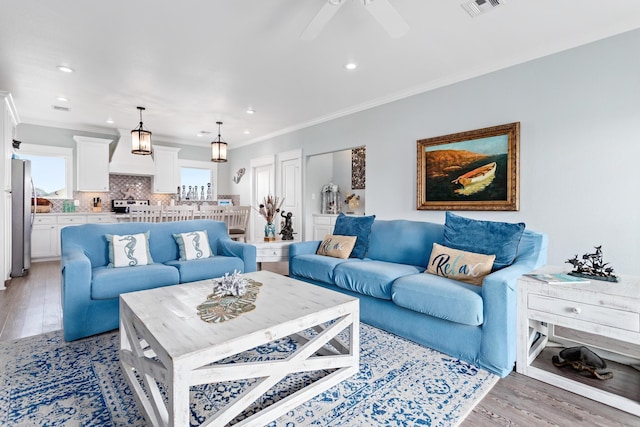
[556, 278]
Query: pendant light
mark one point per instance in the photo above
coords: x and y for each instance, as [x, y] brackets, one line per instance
[219, 148]
[141, 138]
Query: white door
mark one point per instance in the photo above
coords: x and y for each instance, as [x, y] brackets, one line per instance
[263, 185]
[290, 187]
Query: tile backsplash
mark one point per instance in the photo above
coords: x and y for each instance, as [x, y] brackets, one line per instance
[118, 185]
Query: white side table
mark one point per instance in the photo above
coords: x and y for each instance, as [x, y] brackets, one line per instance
[604, 316]
[276, 251]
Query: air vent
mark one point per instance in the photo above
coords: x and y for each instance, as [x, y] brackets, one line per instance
[478, 7]
[60, 108]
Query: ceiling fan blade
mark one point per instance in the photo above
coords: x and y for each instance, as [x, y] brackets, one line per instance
[388, 17]
[321, 19]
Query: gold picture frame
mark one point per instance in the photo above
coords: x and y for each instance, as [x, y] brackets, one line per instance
[474, 170]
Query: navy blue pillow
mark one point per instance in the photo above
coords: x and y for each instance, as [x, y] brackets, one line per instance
[484, 237]
[359, 226]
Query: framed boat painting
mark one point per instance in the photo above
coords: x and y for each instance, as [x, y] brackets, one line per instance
[474, 170]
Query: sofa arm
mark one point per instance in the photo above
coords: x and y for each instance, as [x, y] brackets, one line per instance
[302, 248]
[244, 251]
[76, 288]
[498, 347]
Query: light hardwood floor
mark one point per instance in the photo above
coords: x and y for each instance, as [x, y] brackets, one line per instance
[31, 306]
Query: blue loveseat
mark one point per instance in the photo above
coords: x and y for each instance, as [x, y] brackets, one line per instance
[91, 289]
[473, 323]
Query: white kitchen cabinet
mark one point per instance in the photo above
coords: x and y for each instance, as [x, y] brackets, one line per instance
[92, 164]
[44, 237]
[166, 177]
[323, 224]
[100, 219]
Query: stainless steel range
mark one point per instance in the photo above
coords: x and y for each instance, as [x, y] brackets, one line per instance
[122, 206]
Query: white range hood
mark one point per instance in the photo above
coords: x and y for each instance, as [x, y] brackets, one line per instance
[124, 162]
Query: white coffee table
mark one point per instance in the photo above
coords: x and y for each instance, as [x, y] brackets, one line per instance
[163, 322]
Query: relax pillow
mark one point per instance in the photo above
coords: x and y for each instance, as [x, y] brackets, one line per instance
[337, 246]
[128, 250]
[459, 265]
[193, 245]
[484, 237]
[359, 226]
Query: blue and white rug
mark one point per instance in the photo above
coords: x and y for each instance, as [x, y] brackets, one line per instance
[49, 382]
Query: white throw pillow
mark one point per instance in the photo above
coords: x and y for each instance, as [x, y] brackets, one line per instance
[129, 250]
[193, 245]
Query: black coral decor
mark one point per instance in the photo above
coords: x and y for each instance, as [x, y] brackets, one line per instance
[583, 359]
[592, 266]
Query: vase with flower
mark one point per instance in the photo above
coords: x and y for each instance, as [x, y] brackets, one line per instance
[268, 209]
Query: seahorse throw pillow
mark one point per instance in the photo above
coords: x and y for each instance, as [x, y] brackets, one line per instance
[459, 265]
[193, 245]
[129, 250]
[337, 246]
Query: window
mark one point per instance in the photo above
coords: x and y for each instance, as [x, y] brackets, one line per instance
[195, 177]
[51, 170]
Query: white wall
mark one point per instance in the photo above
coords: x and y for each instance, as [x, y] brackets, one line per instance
[318, 171]
[580, 144]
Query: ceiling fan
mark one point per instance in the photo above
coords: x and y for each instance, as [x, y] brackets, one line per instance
[381, 10]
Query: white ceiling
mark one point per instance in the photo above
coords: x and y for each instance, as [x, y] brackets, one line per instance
[194, 62]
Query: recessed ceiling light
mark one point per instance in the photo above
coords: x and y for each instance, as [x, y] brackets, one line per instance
[246, 132]
[198, 134]
[351, 66]
[65, 69]
[250, 111]
[110, 121]
[62, 99]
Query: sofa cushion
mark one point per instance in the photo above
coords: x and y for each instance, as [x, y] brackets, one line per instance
[315, 267]
[337, 246]
[402, 241]
[193, 245]
[440, 297]
[459, 265]
[129, 250]
[373, 278]
[206, 268]
[359, 226]
[107, 283]
[484, 237]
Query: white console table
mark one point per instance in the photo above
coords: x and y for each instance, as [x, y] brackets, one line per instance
[276, 251]
[604, 316]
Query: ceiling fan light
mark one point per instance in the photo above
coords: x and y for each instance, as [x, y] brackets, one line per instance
[141, 138]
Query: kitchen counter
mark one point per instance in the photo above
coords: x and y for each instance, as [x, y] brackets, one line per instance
[78, 213]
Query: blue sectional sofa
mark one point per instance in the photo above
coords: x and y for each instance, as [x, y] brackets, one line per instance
[91, 289]
[474, 323]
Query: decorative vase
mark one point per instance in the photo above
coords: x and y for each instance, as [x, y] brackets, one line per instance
[269, 231]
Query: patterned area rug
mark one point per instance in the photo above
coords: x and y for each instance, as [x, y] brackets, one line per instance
[49, 382]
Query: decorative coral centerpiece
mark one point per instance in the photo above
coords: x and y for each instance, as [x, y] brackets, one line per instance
[234, 285]
[232, 296]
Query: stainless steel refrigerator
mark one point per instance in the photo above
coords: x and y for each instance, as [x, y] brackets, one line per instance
[22, 194]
